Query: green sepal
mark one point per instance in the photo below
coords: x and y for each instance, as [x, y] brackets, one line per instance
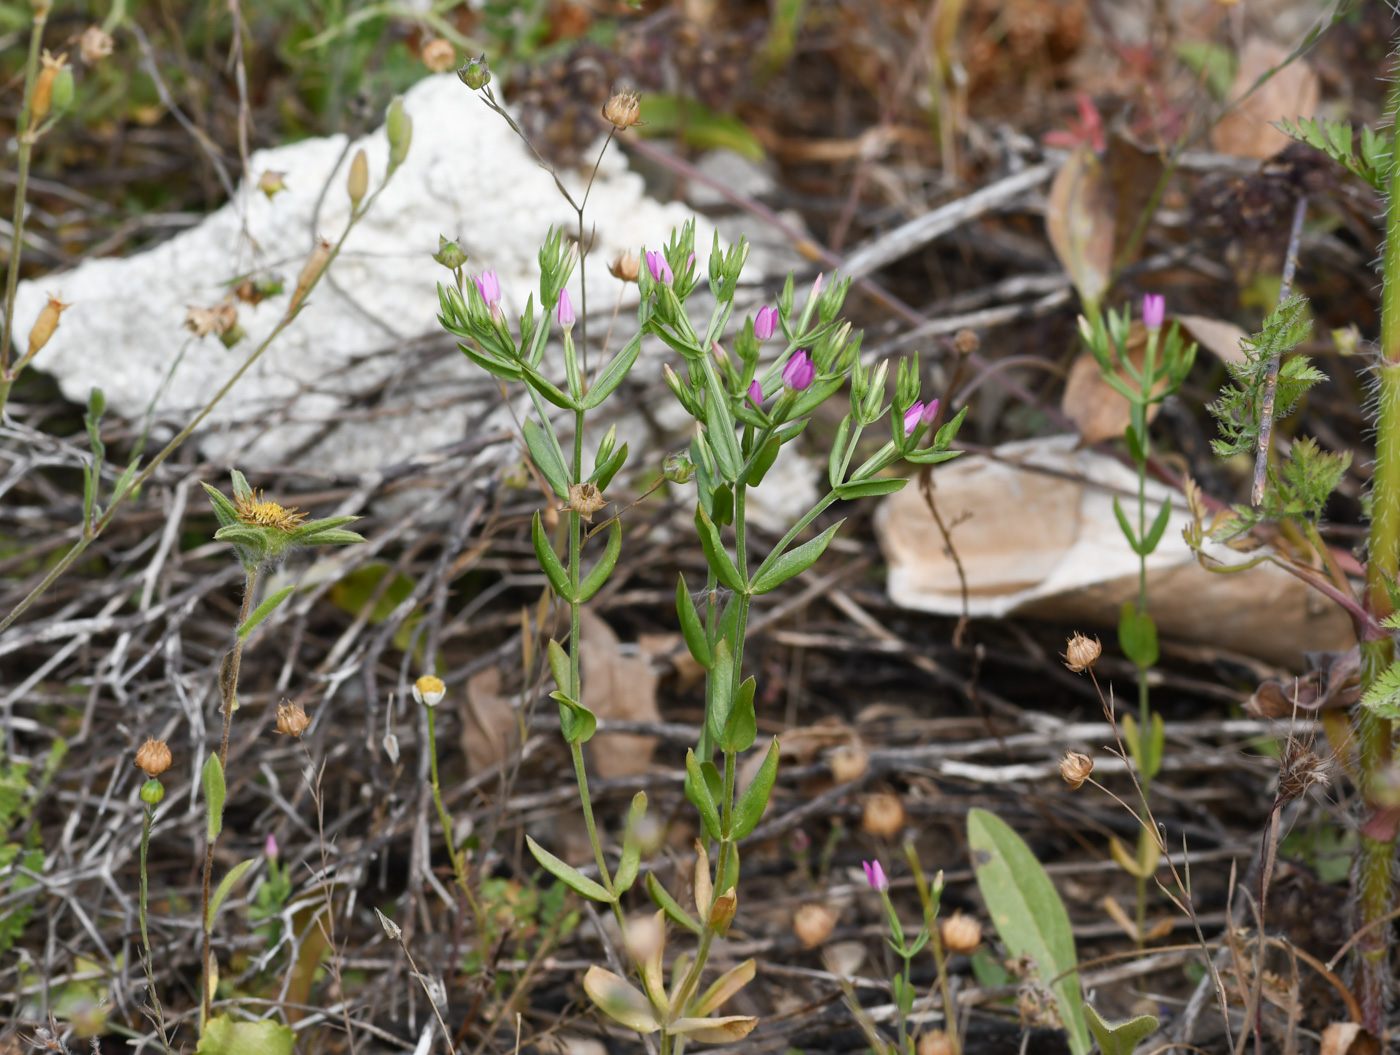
[598, 574]
[692, 629]
[549, 561]
[794, 562]
[569, 876]
[749, 809]
[697, 790]
[664, 901]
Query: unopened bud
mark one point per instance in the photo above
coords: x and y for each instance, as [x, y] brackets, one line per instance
[450, 254]
[1081, 653]
[623, 110]
[357, 183]
[960, 933]
[626, 266]
[399, 128]
[153, 757]
[310, 272]
[475, 74]
[94, 45]
[62, 90]
[438, 55]
[45, 325]
[152, 792]
[42, 101]
[391, 929]
[429, 690]
[292, 720]
[272, 183]
[678, 468]
[1076, 768]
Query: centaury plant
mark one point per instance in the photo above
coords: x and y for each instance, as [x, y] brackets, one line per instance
[745, 406]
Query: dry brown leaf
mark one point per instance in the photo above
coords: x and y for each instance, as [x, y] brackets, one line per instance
[1291, 93]
[1220, 338]
[1080, 217]
[801, 746]
[488, 723]
[619, 687]
[1348, 1038]
[1098, 412]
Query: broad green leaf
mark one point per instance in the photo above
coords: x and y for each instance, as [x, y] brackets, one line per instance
[264, 610]
[763, 461]
[225, 888]
[1119, 1038]
[697, 790]
[869, 488]
[568, 875]
[620, 1000]
[223, 1035]
[576, 721]
[749, 809]
[546, 459]
[598, 574]
[692, 629]
[794, 562]
[1137, 636]
[718, 687]
[740, 725]
[631, 845]
[664, 901]
[213, 780]
[549, 560]
[1028, 913]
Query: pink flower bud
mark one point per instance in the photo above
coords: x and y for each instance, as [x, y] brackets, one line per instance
[875, 876]
[930, 412]
[660, 270]
[1154, 310]
[912, 416]
[756, 395]
[270, 847]
[565, 314]
[799, 372]
[817, 287]
[765, 323]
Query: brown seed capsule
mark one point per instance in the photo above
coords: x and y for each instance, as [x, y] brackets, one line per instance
[966, 342]
[45, 325]
[936, 1042]
[42, 99]
[623, 110]
[848, 763]
[271, 182]
[357, 183]
[813, 924]
[1081, 653]
[960, 933]
[438, 55]
[1076, 768]
[291, 719]
[585, 499]
[94, 45]
[429, 690]
[883, 815]
[627, 266]
[153, 757]
[310, 272]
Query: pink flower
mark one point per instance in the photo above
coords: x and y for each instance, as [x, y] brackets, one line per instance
[489, 286]
[765, 323]
[565, 314]
[930, 412]
[875, 876]
[270, 847]
[756, 395]
[1154, 310]
[660, 270]
[799, 372]
[912, 416]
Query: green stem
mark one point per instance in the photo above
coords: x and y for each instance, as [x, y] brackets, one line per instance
[457, 870]
[149, 817]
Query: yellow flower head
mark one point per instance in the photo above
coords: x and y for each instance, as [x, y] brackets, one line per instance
[257, 512]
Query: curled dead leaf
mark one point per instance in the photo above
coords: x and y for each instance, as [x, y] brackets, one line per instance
[1080, 218]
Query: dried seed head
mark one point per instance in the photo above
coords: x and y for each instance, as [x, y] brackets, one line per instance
[272, 183]
[585, 499]
[883, 815]
[626, 266]
[936, 1042]
[153, 757]
[438, 55]
[292, 720]
[391, 747]
[43, 98]
[623, 110]
[848, 763]
[429, 690]
[1299, 769]
[813, 924]
[960, 933]
[94, 45]
[45, 325]
[965, 342]
[1081, 653]
[391, 929]
[254, 511]
[1076, 768]
[310, 272]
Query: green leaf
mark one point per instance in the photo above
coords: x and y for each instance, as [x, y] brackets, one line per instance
[631, 845]
[719, 422]
[715, 554]
[1119, 1038]
[603, 474]
[697, 790]
[870, 488]
[749, 809]
[664, 901]
[1154, 533]
[559, 666]
[717, 688]
[223, 1035]
[611, 377]
[331, 538]
[1127, 528]
[576, 721]
[213, 780]
[1028, 913]
[226, 885]
[1383, 696]
[547, 388]
[569, 876]
[762, 461]
[776, 572]
[546, 459]
[931, 456]
[1137, 636]
[740, 726]
[692, 629]
[264, 610]
[549, 560]
[598, 574]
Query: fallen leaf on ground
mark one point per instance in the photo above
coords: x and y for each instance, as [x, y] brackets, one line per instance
[1080, 218]
[1098, 412]
[1291, 93]
[1220, 338]
[618, 687]
[488, 721]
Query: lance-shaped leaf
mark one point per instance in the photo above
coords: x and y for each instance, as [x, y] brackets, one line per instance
[740, 725]
[333, 537]
[697, 790]
[599, 573]
[663, 900]
[930, 456]
[717, 688]
[725, 986]
[719, 422]
[224, 510]
[715, 553]
[213, 781]
[225, 887]
[692, 629]
[568, 875]
[549, 560]
[264, 610]
[869, 488]
[546, 458]
[714, 1030]
[631, 845]
[576, 721]
[620, 1000]
[603, 474]
[794, 562]
[749, 810]
[316, 527]
[612, 376]
[547, 388]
